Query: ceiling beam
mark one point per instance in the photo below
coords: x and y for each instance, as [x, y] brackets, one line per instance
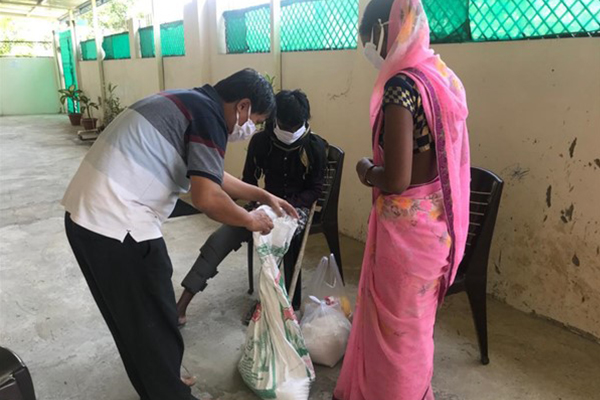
[14, 14]
[20, 3]
[33, 8]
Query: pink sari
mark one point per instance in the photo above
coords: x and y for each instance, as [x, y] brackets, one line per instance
[416, 239]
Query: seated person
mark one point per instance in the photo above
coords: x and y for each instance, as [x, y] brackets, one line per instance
[292, 160]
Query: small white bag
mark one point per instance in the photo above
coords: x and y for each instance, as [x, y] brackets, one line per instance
[325, 282]
[326, 331]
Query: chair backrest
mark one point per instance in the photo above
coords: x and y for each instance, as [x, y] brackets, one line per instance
[327, 204]
[486, 191]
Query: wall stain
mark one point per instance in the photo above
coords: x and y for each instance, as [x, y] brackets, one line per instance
[575, 260]
[498, 263]
[572, 147]
[549, 196]
[566, 215]
[519, 173]
[333, 97]
[597, 161]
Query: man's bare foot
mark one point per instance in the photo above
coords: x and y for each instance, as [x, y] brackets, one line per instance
[182, 305]
[188, 380]
[186, 377]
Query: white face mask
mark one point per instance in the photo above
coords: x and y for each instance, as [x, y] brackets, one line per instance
[289, 137]
[242, 132]
[373, 52]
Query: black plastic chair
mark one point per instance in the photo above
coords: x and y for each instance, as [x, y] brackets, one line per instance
[183, 209]
[15, 380]
[325, 220]
[486, 191]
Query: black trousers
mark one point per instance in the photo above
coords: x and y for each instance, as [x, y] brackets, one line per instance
[222, 242]
[131, 284]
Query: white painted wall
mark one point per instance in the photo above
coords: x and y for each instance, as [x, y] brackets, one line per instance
[135, 78]
[529, 101]
[28, 86]
[90, 82]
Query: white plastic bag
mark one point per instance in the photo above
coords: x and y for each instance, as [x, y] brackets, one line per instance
[327, 282]
[326, 331]
[275, 363]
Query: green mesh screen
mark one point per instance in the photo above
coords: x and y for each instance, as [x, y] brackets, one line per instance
[172, 40]
[305, 25]
[68, 64]
[116, 47]
[332, 24]
[248, 30]
[448, 20]
[517, 19]
[147, 41]
[88, 50]
[319, 25]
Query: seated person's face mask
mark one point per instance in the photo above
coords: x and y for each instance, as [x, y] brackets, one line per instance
[289, 137]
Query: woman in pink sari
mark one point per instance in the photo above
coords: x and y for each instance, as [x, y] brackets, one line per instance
[420, 175]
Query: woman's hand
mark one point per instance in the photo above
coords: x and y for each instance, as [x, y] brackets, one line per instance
[362, 167]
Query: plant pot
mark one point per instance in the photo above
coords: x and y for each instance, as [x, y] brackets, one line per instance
[89, 123]
[75, 118]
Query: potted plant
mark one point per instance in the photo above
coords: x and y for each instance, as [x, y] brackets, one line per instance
[73, 94]
[90, 122]
[112, 107]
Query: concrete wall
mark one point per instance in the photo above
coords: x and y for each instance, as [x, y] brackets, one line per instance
[535, 120]
[135, 79]
[28, 86]
[90, 82]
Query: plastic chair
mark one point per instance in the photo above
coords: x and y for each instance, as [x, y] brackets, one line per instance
[183, 208]
[325, 219]
[486, 191]
[15, 380]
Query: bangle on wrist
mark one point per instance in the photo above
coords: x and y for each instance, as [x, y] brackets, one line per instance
[366, 176]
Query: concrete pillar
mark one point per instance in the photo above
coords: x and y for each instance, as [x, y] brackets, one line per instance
[99, 56]
[158, 47]
[276, 42]
[197, 39]
[75, 43]
[133, 26]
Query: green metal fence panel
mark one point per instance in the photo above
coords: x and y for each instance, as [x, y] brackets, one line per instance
[88, 50]
[68, 63]
[147, 41]
[332, 24]
[248, 30]
[518, 19]
[116, 47]
[172, 40]
[448, 20]
[235, 32]
[319, 25]
[305, 25]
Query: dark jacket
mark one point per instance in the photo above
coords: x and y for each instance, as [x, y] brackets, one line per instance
[294, 173]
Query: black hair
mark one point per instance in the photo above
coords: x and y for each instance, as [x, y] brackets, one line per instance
[293, 108]
[248, 84]
[375, 10]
